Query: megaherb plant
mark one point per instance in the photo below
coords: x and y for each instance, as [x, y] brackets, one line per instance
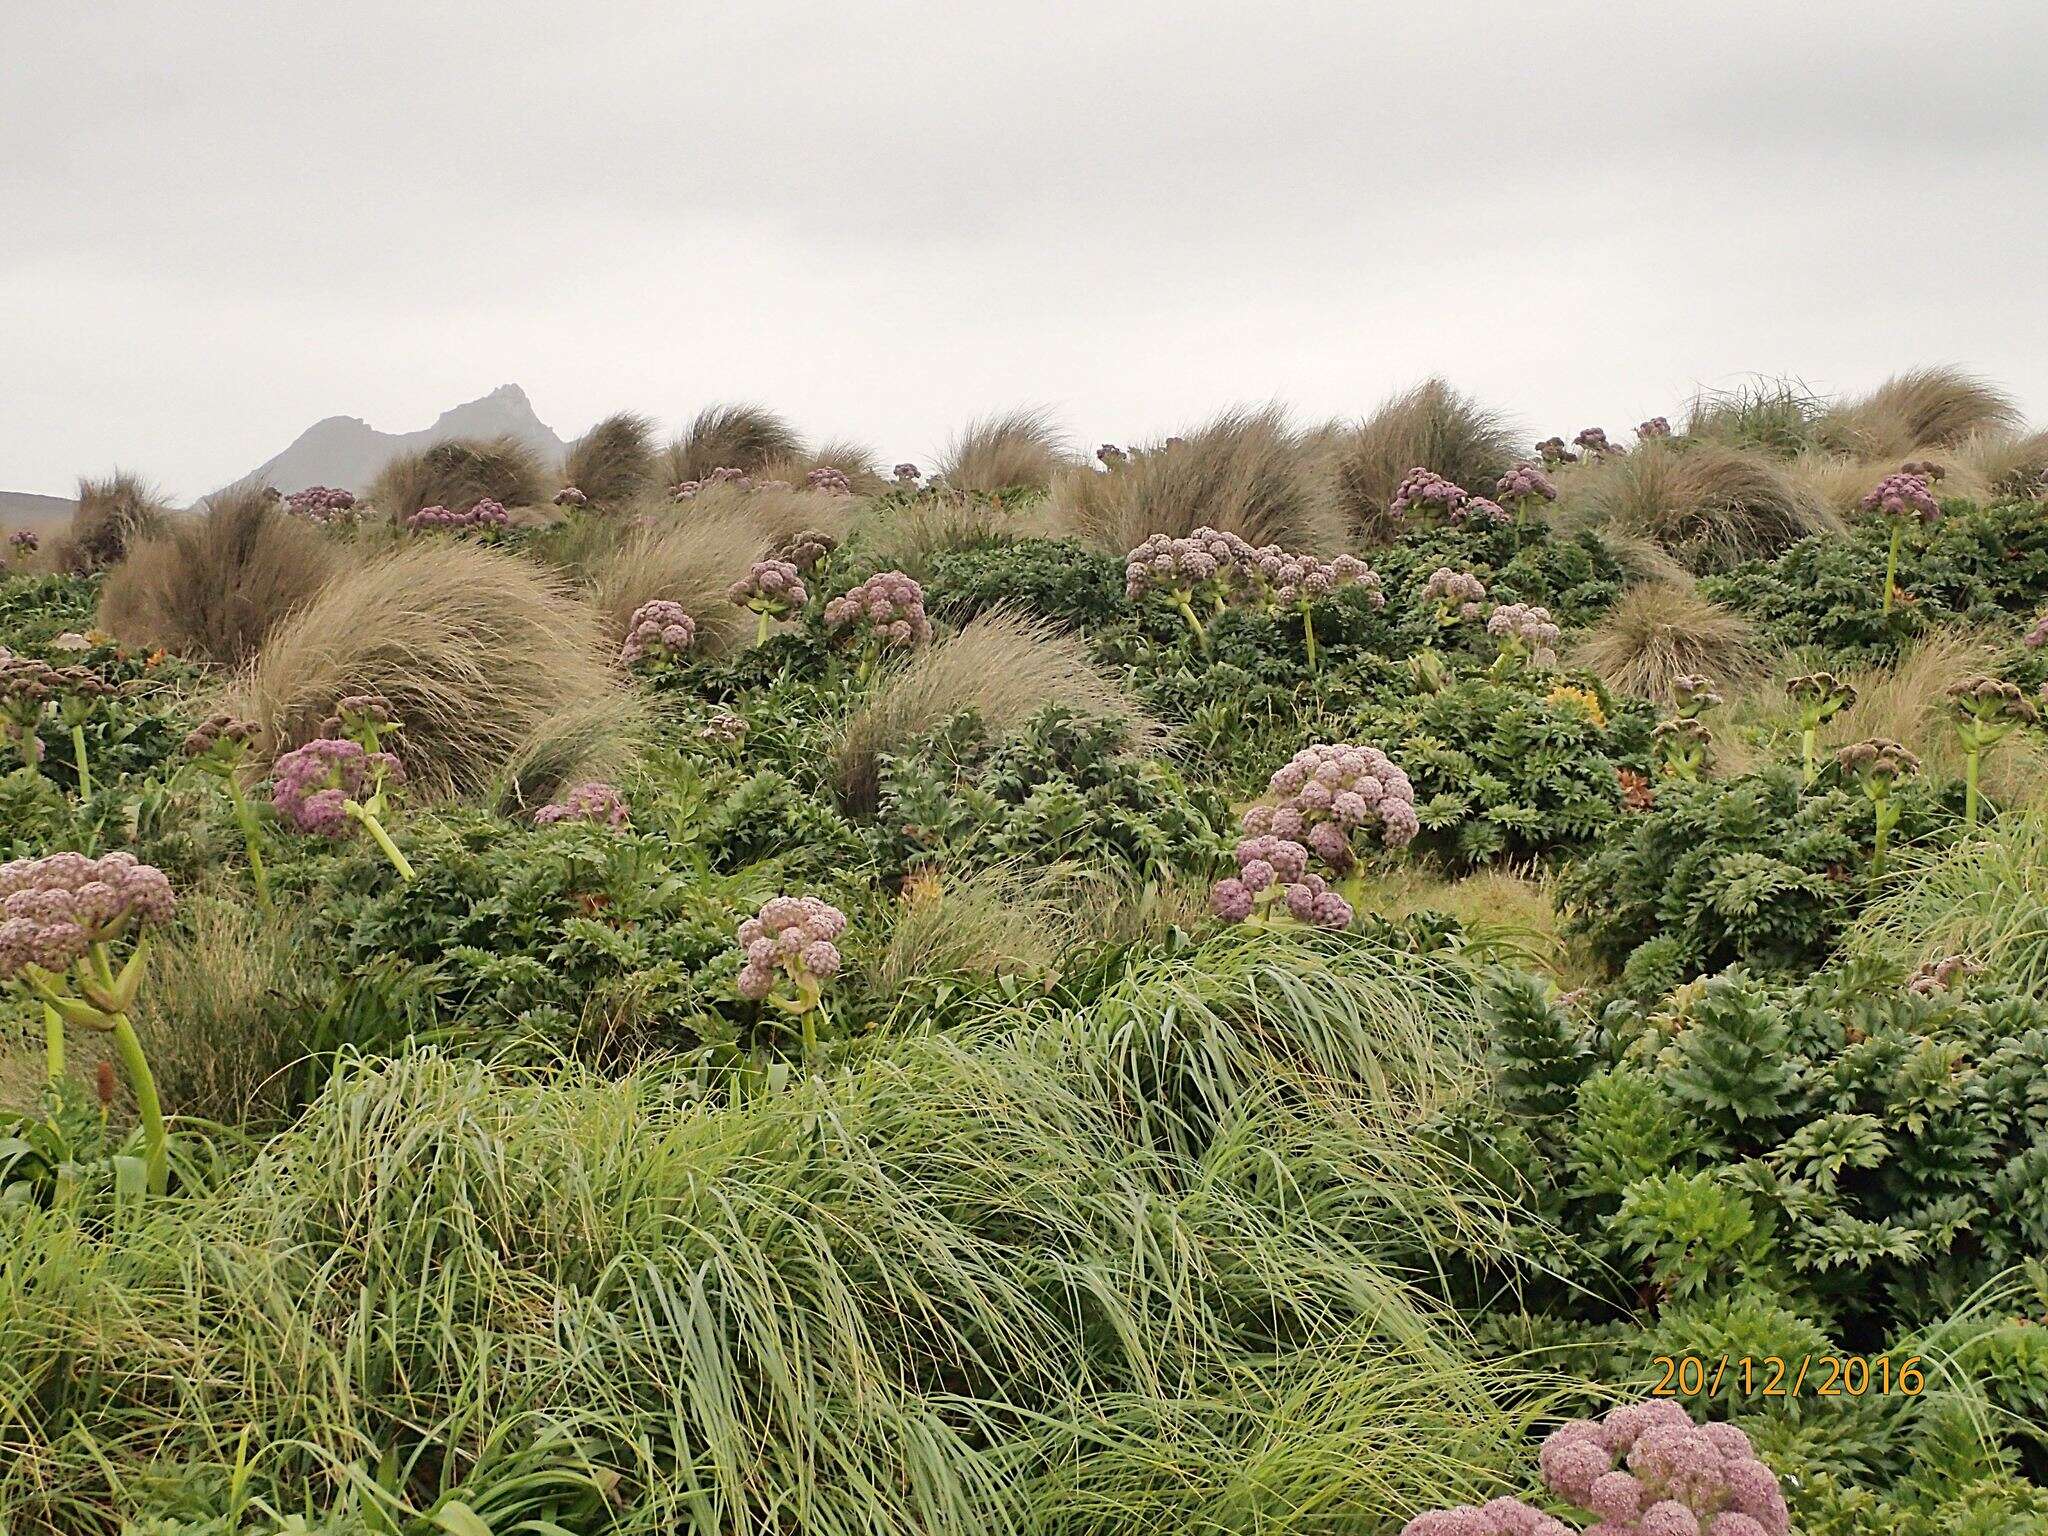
[62, 920]
[790, 956]
[1987, 710]
[343, 776]
[1901, 500]
[218, 748]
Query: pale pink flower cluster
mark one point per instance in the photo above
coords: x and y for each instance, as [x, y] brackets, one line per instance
[594, 801]
[906, 475]
[1208, 558]
[1477, 509]
[889, 603]
[1457, 594]
[1332, 791]
[322, 504]
[1528, 628]
[738, 479]
[1526, 483]
[1647, 1469]
[770, 586]
[53, 908]
[658, 631]
[1594, 440]
[1903, 496]
[1274, 871]
[312, 785]
[1553, 451]
[1424, 490]
[1167, 564]
[792, 934]
[1112, 456]
[1656, 426]
[486, 514]
[1496, 1517]
[24, 542]
[828, 481]
[570, 496]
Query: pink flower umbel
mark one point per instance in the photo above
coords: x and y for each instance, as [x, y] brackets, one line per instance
[322, 504]
[790, 955]
[594, 801]
[774, 589]
[319, 788]
[884, 612]
[1526, 632]
[1424, 491]
[658, 636]
[22, 543]
[1902, 499]
[1457, 596]
[61, 918]
[218, 748]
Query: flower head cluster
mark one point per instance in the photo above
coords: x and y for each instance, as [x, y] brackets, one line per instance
[487, 515]
[594, 801]
[890, 605]
[1682, 746]
[659, 631]
[1594, 440]
[1478, 510]
[1553, 451]
[28, 686]
[1526, 483]
[1112, 456]
[1656, 426]
[1948, 974]
[570, 496]
[1926, 469]
[1424, 490]
[1877, 763]
[363, 717]
[807, 550]
[2038, 635]
[906, 475]
[1272, 873]
[1496, 1517]
[1325, 794]
[1992, 701]
[792, 935]
[1525, 629]
[322, 504]
[1693, 695]
[53, 908]
[1457, 594]
[1820, 696]
[725, 728]
[1184, 566]
[313, 785]
[828, 481]
[1584, 700]
[1646, 1469]
[23, 542]
[1903, 496]
[770, 587]
[221, 742]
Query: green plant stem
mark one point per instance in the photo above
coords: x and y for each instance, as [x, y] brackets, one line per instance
[1308, 630]
[31, 752]
[1891, 566]
[376, 830]
[1187, 612]
[761, 629]
[1885, 817]
[155, 1141]
[1970, 760]
[1808, 737]
[78, 755]
[53, 1042]
[252, 840]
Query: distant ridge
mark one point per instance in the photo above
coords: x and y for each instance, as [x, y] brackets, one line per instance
[25, 509]
[347, 451]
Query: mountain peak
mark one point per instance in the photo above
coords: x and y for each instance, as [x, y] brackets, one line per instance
[347, 451]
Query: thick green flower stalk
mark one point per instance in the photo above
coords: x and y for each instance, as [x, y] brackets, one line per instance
[1682, 747]
[1876, 765]
[1819, 697]
[218, 748]
[1902, 500]
[1183, 571]
[61, 919]
[1988, 709]
[772, 589]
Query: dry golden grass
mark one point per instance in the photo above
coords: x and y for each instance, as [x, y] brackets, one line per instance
[1921, 408]
[689, 558]
[858, 462]
[906, 537]
[1512, 913]
[1023, 447]
[596, 738]
[1431, 426]
[479, 652]
[111, 515]
[1658, 631]
[1710, 506]
[1245, 472]
[213, 586]
[1006, 666]
[614, 461]
[457, 474]
[744, 437]
[981, 923]
[1907, 702]
[2001, 463]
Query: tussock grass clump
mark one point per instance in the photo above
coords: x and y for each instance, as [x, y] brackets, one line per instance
[909, 535]
[1245, 472]
[212, 587]
[1984, 896]
[1710, 506]
[477, 650]
[858, 462]
[614, 461]
[691, 558]
[1016, 449]
[1774, 416]
[1921, 408]
[1002, 1280]
[1658, 631]
[730, 437]
[980, 923]
[1431, 426]
[457, 474]
[2003, 464]
[1004, 665]
[111, 515]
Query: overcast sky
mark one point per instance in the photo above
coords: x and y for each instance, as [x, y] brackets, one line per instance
[220, 223]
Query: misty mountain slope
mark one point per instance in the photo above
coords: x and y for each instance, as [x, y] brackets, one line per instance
[347, 451]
